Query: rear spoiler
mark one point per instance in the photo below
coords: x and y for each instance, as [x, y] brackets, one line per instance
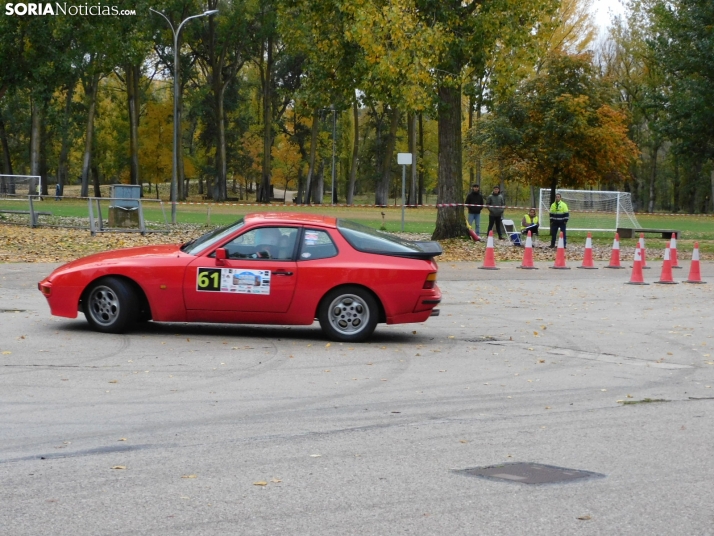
[429, 250]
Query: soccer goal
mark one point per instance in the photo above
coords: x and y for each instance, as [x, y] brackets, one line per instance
[592, 210]
[20, 185]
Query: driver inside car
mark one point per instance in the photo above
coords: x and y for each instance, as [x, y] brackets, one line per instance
[267, 243]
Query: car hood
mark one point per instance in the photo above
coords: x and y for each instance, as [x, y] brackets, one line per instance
[118, 256]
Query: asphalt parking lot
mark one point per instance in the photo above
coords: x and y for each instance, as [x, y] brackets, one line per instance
[199, 429]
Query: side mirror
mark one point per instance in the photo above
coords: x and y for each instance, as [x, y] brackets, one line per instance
[221, 256]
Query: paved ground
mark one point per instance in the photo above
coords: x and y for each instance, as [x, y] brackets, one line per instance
[366, 439]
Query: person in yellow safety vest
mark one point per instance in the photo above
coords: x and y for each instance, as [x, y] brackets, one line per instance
[530, 222]
[559, 217]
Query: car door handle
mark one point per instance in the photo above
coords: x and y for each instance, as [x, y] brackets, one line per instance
[282, 272]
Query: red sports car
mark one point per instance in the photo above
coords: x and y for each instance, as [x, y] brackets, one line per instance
[266, 268]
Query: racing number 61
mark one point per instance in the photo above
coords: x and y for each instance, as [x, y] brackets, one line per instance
[208, 279]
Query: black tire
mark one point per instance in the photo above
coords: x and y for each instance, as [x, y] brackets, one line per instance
[348, 314]
[110, 305]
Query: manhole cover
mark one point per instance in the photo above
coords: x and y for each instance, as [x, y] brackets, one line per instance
[528, 473]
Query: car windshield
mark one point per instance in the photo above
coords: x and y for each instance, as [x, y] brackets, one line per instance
[366, 239]
[203, 242]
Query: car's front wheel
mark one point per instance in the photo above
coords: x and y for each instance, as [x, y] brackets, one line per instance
[348, 314]
[110, 305]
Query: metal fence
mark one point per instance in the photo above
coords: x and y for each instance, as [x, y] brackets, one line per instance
[103, 214]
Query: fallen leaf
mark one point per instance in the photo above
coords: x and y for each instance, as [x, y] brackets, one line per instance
[122, 439]
[189, 476]
[315, 455]
[113, 381]
[6, 352]
[260, 483]
[328, 345]
[119, 467]
[275, 480]
[584, 518]
[462, 441]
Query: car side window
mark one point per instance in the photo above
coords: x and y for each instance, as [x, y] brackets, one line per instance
[316, 244]
[276, 243]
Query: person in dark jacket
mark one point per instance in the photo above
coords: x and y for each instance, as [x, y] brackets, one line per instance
[475, 198]
[496, 205]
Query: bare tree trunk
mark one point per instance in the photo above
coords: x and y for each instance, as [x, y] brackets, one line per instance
[472, 171]
[63, 164]
[450, 222]
[180, 172]
[264, 191]
[411, 194]
[35, 141]
[313, 152]
[355, 153]
[711, 198]
[91, 93]
[420, 197]
[6, 160]
[219, 187]
[320, 184]
[43, 147]
[131, 76]
[95, 180]
[653, 179]
[382, 190]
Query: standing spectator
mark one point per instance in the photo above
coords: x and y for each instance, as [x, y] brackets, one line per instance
[559, 216]
[57, 192]
[475, 198]
[496, 206]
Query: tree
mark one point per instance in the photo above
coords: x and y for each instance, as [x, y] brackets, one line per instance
[468, 31]
[225, 44]
[682, 41]
[288, 162]
[559, 128]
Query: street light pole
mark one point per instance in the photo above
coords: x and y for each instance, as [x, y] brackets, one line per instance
[177, 113]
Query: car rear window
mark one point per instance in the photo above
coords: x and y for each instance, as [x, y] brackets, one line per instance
[368, 240]
[316, 244]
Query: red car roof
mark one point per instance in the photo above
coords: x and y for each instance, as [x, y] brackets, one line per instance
[292, 217]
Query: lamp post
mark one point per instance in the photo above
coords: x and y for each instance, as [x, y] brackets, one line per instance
[177, 118]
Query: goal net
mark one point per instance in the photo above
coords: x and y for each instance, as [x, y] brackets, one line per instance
[592, 210]
[20, 185]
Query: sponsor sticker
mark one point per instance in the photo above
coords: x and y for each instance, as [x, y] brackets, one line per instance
[233, 280]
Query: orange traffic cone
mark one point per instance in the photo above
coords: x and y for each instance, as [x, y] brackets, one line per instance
[643, 251]
[695, 275]
[615, 256]
[527, 263]
[665, 277]
[474, 236]
[673, 251]
[560, 255]
[489, 260]
[637, 278]
[588, 257]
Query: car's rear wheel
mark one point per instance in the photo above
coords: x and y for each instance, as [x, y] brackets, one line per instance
[110, 305]
[348, 314]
